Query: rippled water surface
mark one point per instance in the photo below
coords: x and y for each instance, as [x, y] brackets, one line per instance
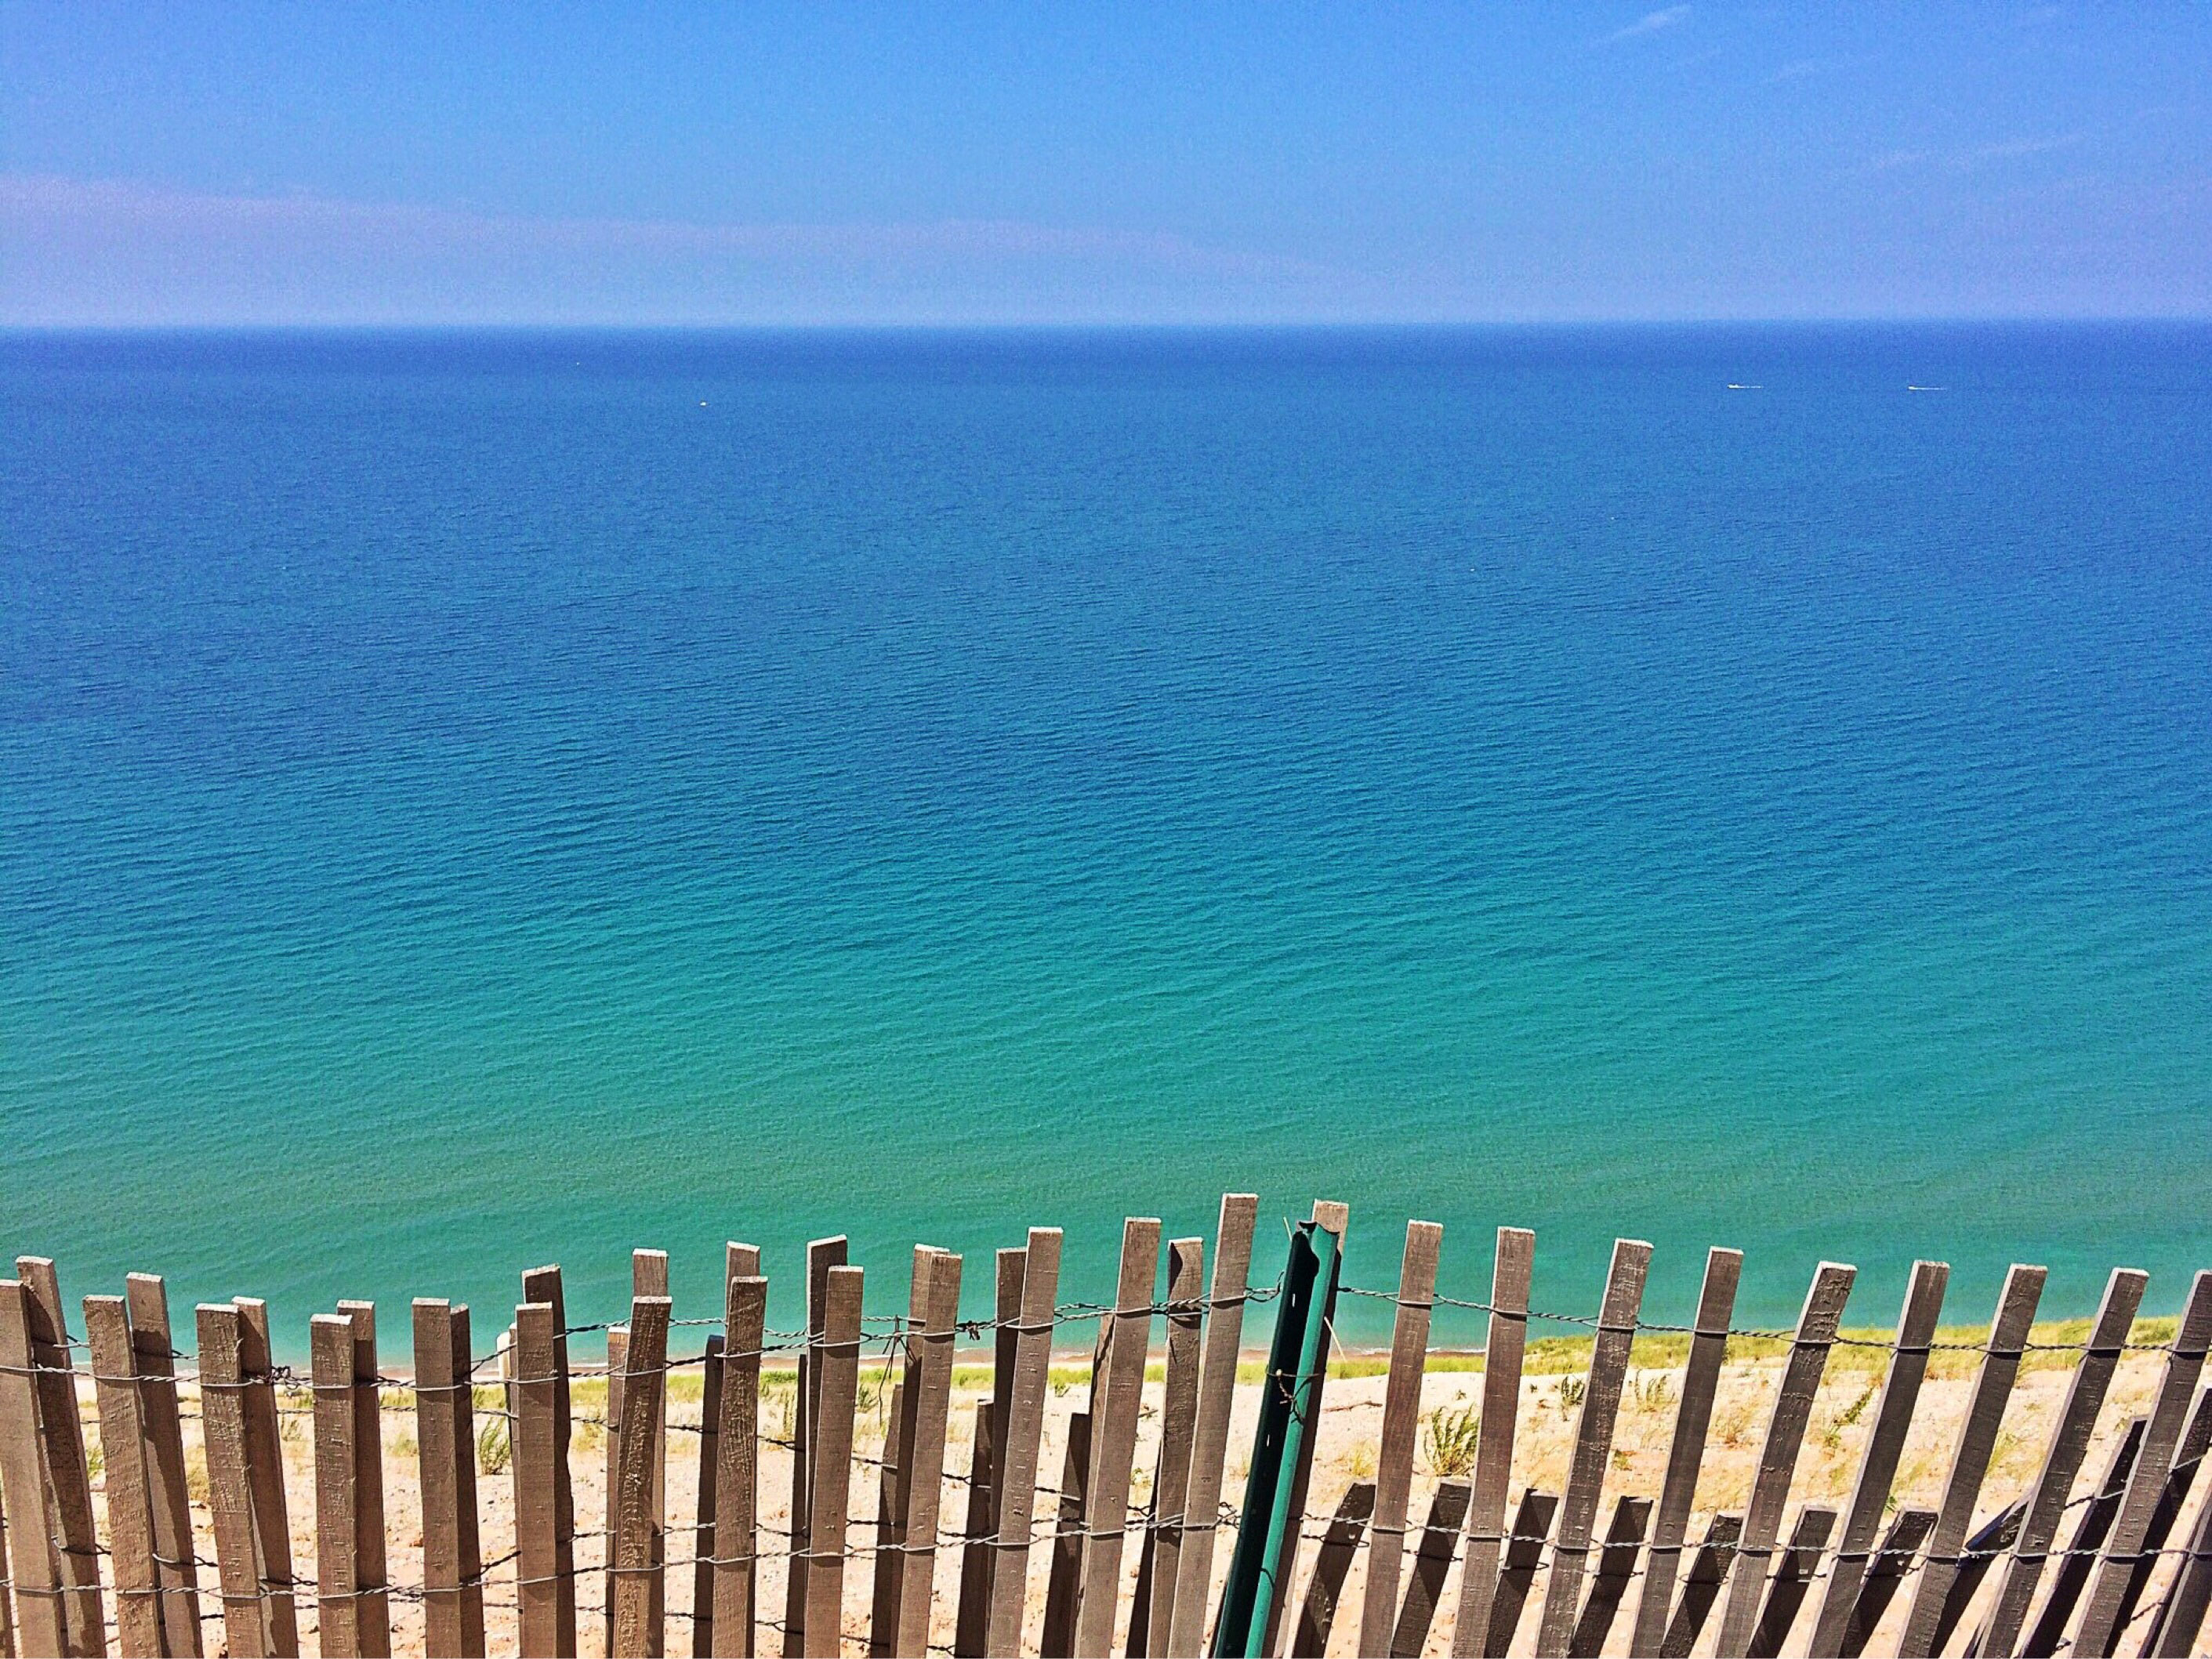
[473, 800]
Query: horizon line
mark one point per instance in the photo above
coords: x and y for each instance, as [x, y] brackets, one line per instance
[1073, 324]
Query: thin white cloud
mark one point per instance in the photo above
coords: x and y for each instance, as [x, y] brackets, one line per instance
[1805, 69]
[88, 250]
[993, 238]
[1973, 160]
[2021, 147]
[1651, 23]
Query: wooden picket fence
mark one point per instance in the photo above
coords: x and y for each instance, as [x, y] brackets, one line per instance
[2133, 1573]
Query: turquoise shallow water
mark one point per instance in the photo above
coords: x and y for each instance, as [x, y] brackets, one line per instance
[478, 799]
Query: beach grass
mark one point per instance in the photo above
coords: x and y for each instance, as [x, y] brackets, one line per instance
[2054, 1345]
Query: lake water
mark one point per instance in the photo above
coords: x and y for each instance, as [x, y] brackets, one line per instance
[474, 799]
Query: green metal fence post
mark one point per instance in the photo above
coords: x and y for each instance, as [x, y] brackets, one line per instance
[1295, 1361]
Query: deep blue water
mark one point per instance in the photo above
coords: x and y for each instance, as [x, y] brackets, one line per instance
[467, 800]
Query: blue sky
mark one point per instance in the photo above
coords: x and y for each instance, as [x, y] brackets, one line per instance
[236, 163]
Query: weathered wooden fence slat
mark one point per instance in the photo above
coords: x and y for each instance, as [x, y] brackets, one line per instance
[1017, 1454]
[544, 1286]
[1877, 1474]
[837, 1377]
[1152, 1609]
[7, 1601]
[123, 1451]
[1493, 1454]
[1990, 1540]
[972, 1612]
[176, 1564]
[738, 1261]
[468, 1541]
[1431, 1561]
[1064, 1572]
[1117, 1383]
[230, 1494]
[1786, 1587]
[32, 1548]
[1332, 1566]
[1969, 1456]
[1594, 1427]
[1516, 1572]
[366, 1400]
[891, 1525]
[617, 1385]
[822, 1256]
[736, 1466]
[1401, 1420]
[973, 1619]
[264, 1473]
[1616, 1566]
[649, 1277]
[1701, 1586]
[703, 1518]
[1884, 1575]
[437, 1380]
[69, 1482]
[1777, 1458]
[634, 1558]
[68, 1488]
[896, 1473]
[445, 1440]
[545, 1584]
[1685, 1450]
[1209, 1441]
[337, 1494]
[929, 1398]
